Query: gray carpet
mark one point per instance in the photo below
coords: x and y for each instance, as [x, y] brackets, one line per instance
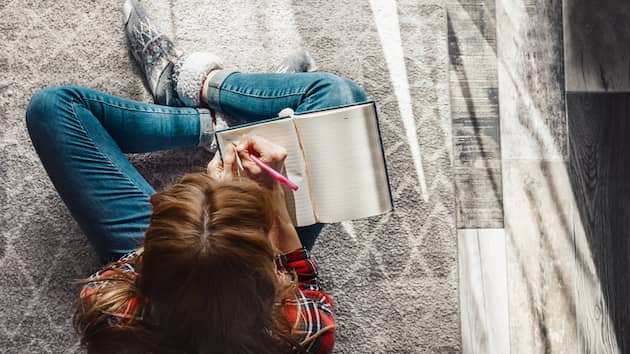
[393, 278]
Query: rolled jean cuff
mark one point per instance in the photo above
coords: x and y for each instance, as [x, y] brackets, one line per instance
[206, 128]
[214, 88]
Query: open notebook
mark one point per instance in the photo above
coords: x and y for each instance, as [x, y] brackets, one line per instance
[336, 158]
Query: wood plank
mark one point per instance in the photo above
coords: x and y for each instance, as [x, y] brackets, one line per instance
[475, 113]
[540, 256]
[600, 177]
[596, 50]
[536, 192]
[595, 330]
[483, 291]
[531, 79]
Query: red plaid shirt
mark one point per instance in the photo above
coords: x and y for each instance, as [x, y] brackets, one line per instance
[310, 312]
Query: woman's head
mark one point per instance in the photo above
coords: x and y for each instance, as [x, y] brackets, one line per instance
[207, 278]
[207, 267]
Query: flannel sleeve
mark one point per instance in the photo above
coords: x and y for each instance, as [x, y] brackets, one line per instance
[99, 281]
[314, 302]
[305, 268]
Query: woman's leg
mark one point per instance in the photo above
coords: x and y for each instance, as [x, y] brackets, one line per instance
[80, 136]
[257, 96]
[249, 97]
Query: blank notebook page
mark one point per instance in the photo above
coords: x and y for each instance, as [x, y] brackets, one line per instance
[345, 162]
[282, 132]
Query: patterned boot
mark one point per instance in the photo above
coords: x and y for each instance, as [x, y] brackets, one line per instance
[154, 51]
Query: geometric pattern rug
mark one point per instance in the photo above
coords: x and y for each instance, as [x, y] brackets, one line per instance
[393, 278]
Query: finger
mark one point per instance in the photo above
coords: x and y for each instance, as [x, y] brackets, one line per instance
[253, 143]
[239, 163]
[214, 171]
[215, 174]
[286, 112]
[250, 167]
[260, 144]
[214, 164]
[216, 159]
[279, 153]
[243, 143]
[229, 158]
[268, 151]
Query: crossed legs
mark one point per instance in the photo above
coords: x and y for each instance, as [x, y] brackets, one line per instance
[81, 136]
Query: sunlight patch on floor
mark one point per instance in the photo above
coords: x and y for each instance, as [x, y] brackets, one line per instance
[386, 19]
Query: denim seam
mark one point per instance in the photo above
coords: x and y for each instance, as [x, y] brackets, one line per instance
[213, 91]
[98, 149]
[134, 108]
[206, 127]
[257, 96]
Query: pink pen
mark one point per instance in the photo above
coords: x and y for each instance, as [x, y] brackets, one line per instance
[277, 176]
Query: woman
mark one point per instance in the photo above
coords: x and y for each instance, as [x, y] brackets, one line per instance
[213, 263]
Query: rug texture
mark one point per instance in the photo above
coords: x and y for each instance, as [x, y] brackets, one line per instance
[393, 278]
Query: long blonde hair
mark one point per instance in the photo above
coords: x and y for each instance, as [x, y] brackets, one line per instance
[206, 281]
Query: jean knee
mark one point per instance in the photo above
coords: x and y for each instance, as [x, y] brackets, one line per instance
[341, 91]
[38, 105]
[44, 104]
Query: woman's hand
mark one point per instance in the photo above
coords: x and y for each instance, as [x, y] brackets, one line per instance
[268, 152]
[282, 235]
[222, 170]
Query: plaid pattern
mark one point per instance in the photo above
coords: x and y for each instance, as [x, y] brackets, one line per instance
[123, 265]
[310, 312]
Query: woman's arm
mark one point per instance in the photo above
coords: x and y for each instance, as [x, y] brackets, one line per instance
[282, 235]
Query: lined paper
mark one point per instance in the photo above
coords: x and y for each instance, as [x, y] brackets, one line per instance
[345, 161]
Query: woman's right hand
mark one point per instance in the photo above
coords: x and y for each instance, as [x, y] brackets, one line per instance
[269, 153]
[282, 234]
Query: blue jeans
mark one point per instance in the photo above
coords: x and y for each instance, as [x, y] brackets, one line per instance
[81, 134]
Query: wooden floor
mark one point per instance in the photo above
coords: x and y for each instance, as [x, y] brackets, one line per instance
[541, 119]
[600, 176]
[475, 113]
[597, 51]
[477, 166]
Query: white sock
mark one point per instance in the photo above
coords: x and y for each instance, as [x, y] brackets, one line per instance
[190, 73]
